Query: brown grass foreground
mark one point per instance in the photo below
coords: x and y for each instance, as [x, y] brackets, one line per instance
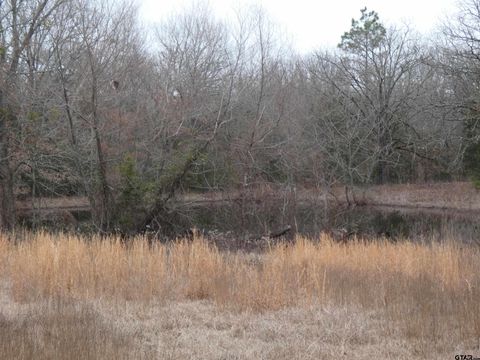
[426, 293]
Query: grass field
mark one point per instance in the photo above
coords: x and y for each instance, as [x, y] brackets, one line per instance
[67, 297]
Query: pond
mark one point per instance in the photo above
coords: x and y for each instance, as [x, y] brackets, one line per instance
[247, 220]
[242, 223]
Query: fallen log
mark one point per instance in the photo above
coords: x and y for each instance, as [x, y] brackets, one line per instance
[277, 234]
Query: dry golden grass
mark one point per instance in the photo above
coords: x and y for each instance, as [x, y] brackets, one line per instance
[424, 293]
[64, 331]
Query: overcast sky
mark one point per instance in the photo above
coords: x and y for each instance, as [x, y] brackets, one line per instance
[318, 23]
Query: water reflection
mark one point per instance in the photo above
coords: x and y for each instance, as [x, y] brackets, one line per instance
[255, 218]
[244, 223]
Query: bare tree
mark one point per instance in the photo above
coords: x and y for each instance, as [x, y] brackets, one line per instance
[461, 65]
[373, 83]
[20, 22]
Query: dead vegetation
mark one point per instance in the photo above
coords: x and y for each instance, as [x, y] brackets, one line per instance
[63, 331]
[455, 196]
[424, 295]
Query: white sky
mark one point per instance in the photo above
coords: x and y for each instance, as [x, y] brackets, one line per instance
[312, 24]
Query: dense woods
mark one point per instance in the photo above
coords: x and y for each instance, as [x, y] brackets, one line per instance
[94, 104]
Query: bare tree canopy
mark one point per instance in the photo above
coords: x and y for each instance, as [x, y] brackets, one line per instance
[93, 104]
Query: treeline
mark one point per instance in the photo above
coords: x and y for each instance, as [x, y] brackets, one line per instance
[92, 103]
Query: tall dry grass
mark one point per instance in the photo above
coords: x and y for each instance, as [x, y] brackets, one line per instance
[428, 292]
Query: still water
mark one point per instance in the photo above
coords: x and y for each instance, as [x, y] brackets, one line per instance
[254, 219]
[242, 223]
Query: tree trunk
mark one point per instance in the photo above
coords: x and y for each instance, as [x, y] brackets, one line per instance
[104, 210]
[7, 198]
[382, 171]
